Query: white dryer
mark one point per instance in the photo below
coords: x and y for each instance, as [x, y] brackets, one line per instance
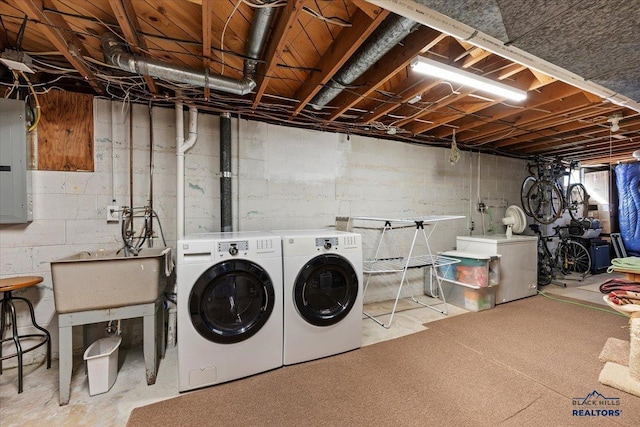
[322, 293]
[229, 290]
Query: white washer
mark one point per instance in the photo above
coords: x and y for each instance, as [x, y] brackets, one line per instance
[229, 288]
[322, 293]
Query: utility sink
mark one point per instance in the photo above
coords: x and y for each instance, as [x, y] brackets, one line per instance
[108, 279]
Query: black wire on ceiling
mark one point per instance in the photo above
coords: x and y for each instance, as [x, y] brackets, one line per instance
[6, 32]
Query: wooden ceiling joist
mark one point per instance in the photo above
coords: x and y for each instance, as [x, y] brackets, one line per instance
[348, 41]
[276, 46]
[394, 61]
[126, 16]
[527, 121]
[568, 127]
[59, 33]
[207, 6]
[537, 99]
[409, 89]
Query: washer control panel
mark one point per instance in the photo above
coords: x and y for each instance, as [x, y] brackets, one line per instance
[233, 247]
[326, 243]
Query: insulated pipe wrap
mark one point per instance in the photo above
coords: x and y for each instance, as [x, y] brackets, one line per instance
[225, 173]
[391, 32]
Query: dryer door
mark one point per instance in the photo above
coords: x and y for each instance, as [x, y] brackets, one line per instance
[231, 301]
[325, 290]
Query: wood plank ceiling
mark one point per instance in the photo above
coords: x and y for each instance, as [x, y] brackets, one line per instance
[308, 45]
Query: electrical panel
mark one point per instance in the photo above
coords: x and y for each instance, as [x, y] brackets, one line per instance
[15, 191]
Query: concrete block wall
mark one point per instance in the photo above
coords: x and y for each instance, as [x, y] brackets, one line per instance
[283, 178]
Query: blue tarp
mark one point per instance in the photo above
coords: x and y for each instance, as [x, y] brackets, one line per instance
[628, 184]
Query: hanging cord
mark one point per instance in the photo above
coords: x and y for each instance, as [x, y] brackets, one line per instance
[36, 120]
[454, 155]
[164, 242]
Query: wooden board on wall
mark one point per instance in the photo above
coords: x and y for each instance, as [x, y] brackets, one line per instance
[65, 132]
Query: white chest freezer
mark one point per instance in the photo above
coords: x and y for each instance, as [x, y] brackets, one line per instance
[518, 262]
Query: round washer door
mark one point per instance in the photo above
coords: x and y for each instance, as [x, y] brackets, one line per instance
[325, 290]
[231, 301]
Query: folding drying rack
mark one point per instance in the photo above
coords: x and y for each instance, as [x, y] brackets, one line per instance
[399, 263]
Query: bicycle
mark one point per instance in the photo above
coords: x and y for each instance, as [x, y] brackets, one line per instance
[570, 256]
[543, 197]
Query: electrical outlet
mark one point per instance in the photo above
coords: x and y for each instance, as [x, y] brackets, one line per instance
[113, 213]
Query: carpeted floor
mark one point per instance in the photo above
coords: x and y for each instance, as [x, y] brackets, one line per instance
[520, 364]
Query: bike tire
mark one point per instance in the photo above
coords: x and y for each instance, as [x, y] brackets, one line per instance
[524, 192]
[545, 274]
[544, 269]
[573, 258]
[546, 201]
[577, 201]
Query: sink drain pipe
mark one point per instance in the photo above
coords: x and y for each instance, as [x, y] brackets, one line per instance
[226, 223]
[182, 146]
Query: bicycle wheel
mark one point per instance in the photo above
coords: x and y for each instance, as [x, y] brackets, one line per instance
[577, 201]
[573, 258]
[545, 272]
[524, 192]
[545, 201]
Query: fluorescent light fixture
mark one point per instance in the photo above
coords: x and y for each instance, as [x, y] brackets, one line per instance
[452, 74]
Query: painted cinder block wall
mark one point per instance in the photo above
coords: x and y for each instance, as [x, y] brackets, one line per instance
[283, 178]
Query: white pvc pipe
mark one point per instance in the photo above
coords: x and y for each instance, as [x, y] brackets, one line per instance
[179, 172]
[414, 10]
[182, 146]
[113, 153]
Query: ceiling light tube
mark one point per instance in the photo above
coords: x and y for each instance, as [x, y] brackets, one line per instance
[452, 74]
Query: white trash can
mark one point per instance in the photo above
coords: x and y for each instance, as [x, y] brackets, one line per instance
[101, 358]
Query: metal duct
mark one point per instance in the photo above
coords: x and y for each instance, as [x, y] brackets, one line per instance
[225, 173]
[258, 34]
[391, 32]
[116, 54]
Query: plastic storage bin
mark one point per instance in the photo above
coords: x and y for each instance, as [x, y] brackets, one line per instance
[473, 269]
[471, 283]
[469, 298]
[102, 364]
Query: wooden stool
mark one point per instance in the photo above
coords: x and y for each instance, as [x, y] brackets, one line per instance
[7, 286]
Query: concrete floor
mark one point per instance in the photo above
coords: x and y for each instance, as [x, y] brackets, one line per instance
[38, 404]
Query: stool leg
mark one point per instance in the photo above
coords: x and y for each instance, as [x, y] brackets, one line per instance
[3, 324]
[16, 340]
[35, 324]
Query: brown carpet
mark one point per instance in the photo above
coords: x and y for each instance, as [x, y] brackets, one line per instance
[519, 364]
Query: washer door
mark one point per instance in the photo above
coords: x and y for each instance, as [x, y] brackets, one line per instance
[325, 290]
[231, 301]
